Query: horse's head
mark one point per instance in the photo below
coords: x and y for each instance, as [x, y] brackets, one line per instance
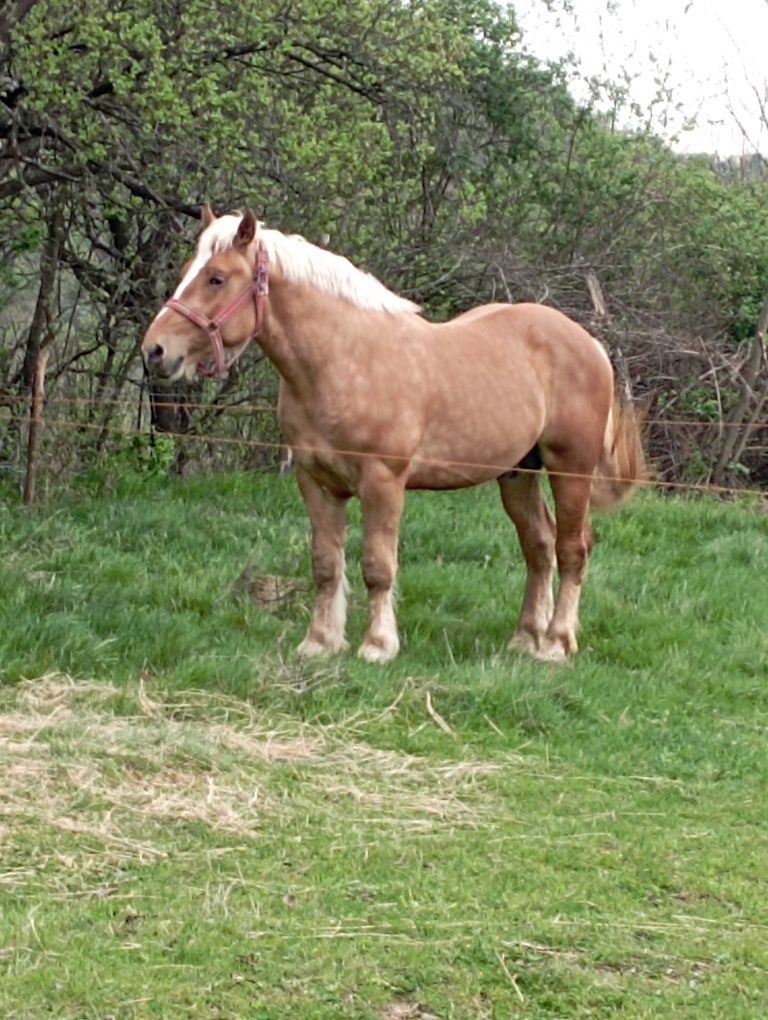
[217, 307]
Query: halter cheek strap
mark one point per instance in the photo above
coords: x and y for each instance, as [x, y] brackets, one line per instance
[256, 291]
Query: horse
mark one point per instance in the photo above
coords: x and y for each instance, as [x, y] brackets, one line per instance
[376, 400]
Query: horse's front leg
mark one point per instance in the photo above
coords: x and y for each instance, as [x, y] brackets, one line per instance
[328, 515]
[382, 496]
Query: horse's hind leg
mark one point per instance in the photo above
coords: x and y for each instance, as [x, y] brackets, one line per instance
[523, 500]
[328, 515]
[573, 545]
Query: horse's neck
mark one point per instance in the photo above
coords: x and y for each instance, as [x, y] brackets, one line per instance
[306, 331]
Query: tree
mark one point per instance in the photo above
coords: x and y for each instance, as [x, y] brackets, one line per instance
[417, 136]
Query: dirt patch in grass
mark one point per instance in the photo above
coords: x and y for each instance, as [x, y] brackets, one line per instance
[402, 1010]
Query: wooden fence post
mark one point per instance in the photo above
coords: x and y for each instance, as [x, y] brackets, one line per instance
[35, 422]
[737, 433]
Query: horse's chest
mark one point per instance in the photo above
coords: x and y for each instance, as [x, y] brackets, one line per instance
[329, 467]
[324, 458]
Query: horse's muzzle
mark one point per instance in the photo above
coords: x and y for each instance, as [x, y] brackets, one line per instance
[157, 364]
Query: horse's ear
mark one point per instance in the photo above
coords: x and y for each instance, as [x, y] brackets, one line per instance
[207, 216]
[247, 230]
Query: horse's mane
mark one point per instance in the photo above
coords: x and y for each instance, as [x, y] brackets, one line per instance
[302, 262]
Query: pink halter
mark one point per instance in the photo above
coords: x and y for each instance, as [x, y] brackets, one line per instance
[257, 289]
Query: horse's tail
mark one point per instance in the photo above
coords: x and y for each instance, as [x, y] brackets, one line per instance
[622, 464]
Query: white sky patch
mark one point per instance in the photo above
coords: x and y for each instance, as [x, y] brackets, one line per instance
[681, 59]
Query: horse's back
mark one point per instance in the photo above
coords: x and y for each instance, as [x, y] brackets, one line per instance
[521, 323]
[525, 342]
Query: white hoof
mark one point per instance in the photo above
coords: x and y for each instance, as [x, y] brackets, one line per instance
[553, 651]
[310, 648]
[377, 653]
[524, 641]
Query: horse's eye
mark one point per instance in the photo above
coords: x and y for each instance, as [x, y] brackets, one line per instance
[216, 280]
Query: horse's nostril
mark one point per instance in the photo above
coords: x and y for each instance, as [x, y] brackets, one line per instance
[155, 354]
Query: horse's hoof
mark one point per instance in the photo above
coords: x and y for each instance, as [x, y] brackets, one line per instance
[376, 653]
[310, 648]
[523, 641]
[554, 650]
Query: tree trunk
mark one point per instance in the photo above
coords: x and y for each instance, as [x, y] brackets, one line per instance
[39, 339]
[40, 328]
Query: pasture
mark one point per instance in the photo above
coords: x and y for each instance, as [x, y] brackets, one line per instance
[194, 823]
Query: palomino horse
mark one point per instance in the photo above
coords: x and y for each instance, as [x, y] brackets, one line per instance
[376, 400]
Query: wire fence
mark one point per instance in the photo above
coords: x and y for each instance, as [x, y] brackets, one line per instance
[460, 467]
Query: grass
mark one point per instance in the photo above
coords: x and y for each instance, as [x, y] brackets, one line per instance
[194, 823]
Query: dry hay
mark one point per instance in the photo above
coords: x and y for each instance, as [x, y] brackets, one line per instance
[115, 781]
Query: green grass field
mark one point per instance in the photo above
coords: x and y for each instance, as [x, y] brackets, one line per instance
[195, 824]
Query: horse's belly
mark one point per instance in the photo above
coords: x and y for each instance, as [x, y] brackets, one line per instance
[468, 441]
[458, 466]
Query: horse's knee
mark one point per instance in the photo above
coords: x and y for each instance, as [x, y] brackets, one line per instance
[377, 573]
[539, 550]
[572, 556]
[326, 571]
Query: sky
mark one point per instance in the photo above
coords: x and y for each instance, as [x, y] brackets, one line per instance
[709, 54]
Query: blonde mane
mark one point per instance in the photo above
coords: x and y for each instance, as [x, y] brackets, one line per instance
[302, 262]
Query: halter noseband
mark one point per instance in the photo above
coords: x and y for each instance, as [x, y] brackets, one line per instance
[257, 289]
